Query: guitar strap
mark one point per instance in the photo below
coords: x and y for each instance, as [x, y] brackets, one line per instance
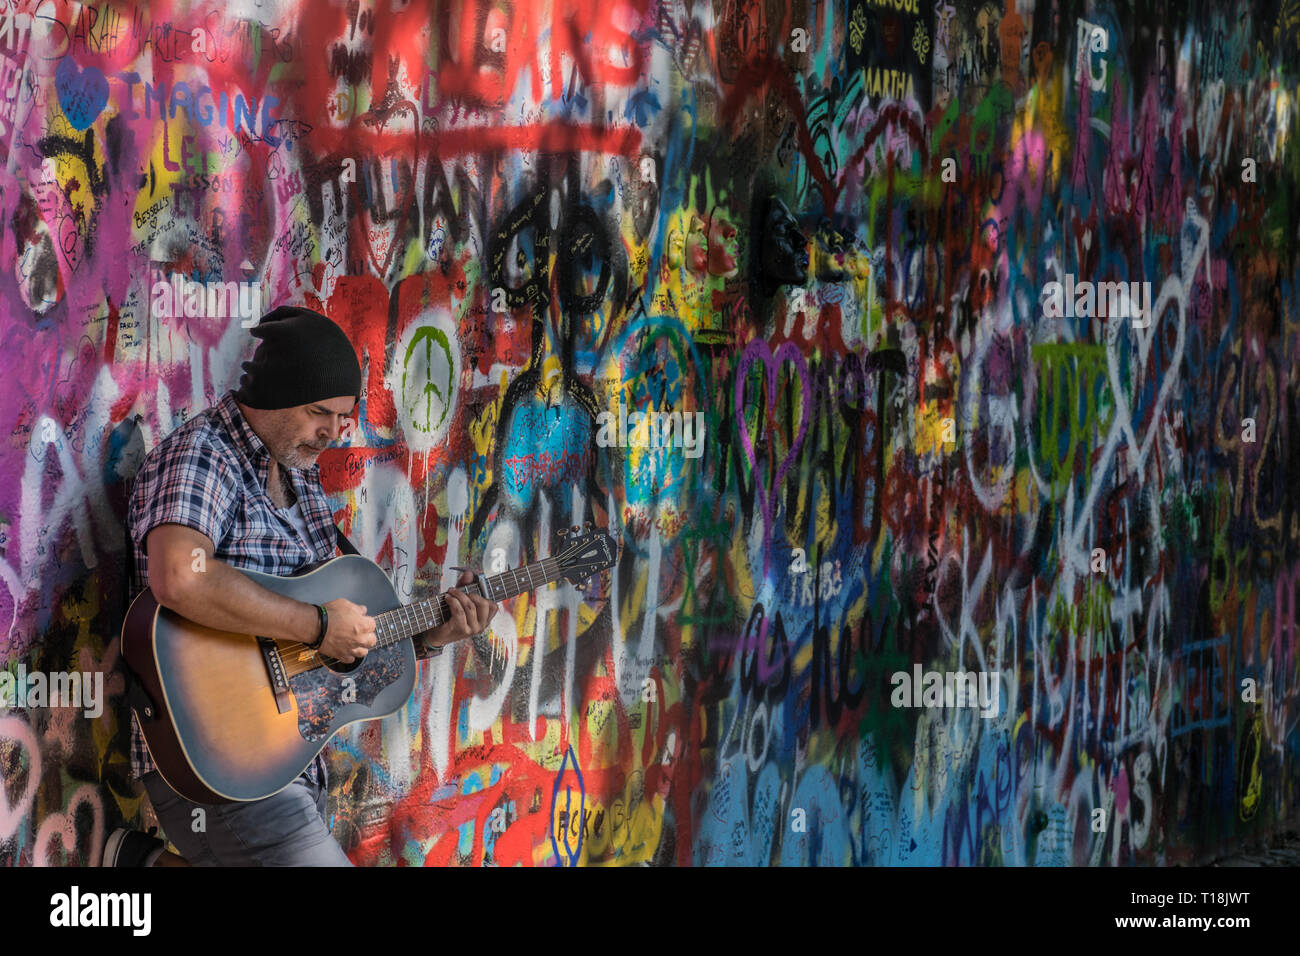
[137, 698]
[346, 546]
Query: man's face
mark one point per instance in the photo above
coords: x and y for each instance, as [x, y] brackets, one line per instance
[296, 436]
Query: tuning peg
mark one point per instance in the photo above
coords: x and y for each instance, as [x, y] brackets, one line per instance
[576, 529]
[586, 526]
[563, 532]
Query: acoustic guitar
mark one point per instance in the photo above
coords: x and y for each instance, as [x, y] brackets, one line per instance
[232, 717]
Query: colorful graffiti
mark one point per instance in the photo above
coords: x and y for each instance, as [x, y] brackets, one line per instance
[824, 232]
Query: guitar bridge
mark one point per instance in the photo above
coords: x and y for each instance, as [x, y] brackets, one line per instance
[275, 670]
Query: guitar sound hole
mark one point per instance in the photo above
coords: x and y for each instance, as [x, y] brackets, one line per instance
[338, 666]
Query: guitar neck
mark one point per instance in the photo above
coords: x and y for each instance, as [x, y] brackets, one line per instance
[404, 622]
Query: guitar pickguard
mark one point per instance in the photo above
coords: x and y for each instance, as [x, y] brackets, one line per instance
[322, 693]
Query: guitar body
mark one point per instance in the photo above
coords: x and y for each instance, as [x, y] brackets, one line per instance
[219, 733]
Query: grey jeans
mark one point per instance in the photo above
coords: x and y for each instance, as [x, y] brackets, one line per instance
[285, 829]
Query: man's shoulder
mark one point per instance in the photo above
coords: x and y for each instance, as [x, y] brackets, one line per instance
[199, 446]
[204, 431]
[191, 467]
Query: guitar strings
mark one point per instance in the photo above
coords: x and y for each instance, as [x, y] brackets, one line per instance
[440, 612]
[383, 627]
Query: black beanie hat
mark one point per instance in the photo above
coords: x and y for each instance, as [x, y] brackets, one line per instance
[304, 357]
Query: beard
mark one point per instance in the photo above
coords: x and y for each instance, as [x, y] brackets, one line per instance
[289, 451]
[299, 457]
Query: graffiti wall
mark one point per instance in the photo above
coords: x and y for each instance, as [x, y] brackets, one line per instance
[934, 364]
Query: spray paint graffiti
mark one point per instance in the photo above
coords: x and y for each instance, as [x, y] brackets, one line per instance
[825, 233]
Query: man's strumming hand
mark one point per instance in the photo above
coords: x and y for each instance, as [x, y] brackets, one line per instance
[350, 633]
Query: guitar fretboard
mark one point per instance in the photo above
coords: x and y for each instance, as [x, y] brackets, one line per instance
[404, 622]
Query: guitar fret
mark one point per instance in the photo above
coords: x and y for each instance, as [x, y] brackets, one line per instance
[410, 619]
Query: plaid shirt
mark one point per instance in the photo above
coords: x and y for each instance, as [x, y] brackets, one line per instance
[210, 475]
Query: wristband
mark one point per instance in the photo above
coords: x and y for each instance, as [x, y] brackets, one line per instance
[324, 625]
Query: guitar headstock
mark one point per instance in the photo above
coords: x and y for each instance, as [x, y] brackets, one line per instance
[585, 552]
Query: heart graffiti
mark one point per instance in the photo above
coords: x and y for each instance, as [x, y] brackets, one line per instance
[62, 827]
[14, 732]
[83, 94]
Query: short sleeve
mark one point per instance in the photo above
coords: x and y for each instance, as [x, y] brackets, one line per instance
[188, 483]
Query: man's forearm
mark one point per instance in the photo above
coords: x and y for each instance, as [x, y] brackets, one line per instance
[225, 598]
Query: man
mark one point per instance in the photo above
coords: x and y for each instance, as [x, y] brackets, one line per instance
[239, 483]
